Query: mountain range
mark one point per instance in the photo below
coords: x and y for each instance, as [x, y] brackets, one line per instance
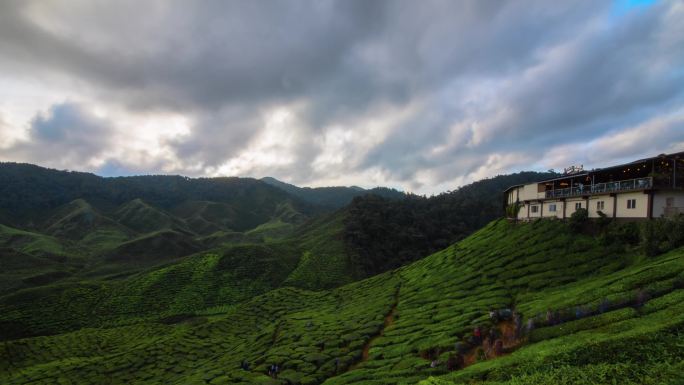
[168, 279]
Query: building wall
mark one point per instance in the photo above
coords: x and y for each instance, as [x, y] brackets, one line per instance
[553, 214]
[513, 195]
[537, 214]
[522, 214]
[660, 203]
[607, 205]
[641, 209]
[570, 203]
[528, 192]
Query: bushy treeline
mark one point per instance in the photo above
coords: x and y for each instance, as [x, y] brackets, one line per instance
[653, 237]
[387, 233]
[662, 235]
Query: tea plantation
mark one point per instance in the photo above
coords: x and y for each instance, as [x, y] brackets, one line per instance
[616, 317]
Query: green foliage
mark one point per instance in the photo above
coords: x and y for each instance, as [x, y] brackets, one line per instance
[579, 219]
[27, 192]
[662, 235]
[120, 296]
[512, 210]
[388, 233]
[183, 323]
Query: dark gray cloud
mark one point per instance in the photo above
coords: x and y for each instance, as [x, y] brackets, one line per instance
[415, 94]
[65, 136]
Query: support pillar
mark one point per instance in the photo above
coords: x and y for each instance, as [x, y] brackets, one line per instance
[564, 207]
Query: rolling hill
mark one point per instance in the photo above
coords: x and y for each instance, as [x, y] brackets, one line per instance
[387, 329]
[177, 280]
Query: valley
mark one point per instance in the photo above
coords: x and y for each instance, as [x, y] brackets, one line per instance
[186, 292]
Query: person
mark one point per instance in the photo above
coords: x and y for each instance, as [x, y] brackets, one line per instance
[273, 372]
[460, 361]
[493, 315]
[337, 364]
[530, 325]
[493, 335]
[451, 363]
[244, 365]
[505, 314]
[434, 363]
[578, 312]
[549, 317]
[517, 323]
[477, 334]
[641, 297]
[498, 347]
[461, 348]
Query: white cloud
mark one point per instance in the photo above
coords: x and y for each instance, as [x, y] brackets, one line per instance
[421, 96]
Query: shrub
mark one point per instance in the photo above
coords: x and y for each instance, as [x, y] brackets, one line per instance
[578, 220]
[512, 210]
[662, 235]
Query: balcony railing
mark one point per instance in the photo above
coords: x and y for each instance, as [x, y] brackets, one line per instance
[602, 188]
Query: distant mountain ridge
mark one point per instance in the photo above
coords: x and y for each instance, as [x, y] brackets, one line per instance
[27, 191]
[335, 196]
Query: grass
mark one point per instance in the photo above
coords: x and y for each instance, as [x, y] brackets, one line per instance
[183, 324]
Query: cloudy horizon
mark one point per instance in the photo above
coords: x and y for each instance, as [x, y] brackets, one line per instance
[419, 96]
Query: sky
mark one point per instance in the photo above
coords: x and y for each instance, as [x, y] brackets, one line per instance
[423, 96]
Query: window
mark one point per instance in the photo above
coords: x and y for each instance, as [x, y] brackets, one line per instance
[669, 201]
[600, 206]
[631, 203]
[552, 208]
[534, 209]
[578, 205]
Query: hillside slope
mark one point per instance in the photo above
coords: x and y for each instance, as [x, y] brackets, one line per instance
[388, 328]
[387, 233]
[28, 193]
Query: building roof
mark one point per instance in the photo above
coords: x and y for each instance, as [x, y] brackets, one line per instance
[512, 187]
[676, 155]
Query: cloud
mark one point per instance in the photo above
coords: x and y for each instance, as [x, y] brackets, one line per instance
[65, 136]
[418, 95]
[658, 135]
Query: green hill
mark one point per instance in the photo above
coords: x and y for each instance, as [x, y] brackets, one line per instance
[143, 218]
[332, 197]
[386, 233]
[28, 259]
[388, 328]
[27, 192]
[78, 219]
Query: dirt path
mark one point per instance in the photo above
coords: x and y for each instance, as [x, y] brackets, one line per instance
[389, 320]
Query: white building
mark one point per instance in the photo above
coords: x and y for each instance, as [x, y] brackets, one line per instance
[646, 188]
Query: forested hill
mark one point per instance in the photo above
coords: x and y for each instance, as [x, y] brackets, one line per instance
[387, 233]
[332, 197]
[27, 190]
